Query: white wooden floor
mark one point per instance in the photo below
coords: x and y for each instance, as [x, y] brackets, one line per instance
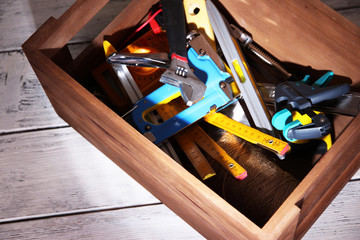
[55, 185]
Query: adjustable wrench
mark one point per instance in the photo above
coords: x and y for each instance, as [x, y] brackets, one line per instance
[179, 73]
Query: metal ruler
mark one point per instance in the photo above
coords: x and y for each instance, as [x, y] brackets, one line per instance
[248, 133]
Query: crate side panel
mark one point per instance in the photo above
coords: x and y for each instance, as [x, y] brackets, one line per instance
[306, 33]
[147, 164]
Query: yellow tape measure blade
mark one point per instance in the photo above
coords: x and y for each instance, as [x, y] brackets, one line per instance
[247, 133]
[215, 151]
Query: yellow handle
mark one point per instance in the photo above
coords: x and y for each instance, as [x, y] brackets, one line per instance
[197, 19]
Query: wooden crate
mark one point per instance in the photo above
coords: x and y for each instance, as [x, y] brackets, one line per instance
[296, 31]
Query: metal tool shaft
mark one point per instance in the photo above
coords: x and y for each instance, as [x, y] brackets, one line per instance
[238, 66]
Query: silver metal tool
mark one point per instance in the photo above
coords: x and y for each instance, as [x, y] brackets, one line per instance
[179, 73]
[241, 73]
[247, 41]
[348, 104]
[128, 82]
[154, 60]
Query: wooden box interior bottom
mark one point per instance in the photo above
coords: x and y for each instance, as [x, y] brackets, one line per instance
[278, 199]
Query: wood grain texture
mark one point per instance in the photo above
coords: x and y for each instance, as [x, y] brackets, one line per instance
[152, 222]
[24, 105]
[356, 176]
[19, 19]
[100, 233]
[294, 32]
[158, 173]
[56, 171]
[116, 31]
[158, 222]
[102, 119]
[327, 178]
[347, 8]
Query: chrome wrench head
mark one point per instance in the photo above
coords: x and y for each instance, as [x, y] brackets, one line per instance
[180, 75]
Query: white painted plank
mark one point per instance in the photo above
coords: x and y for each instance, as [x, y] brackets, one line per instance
[356, 176]
[23, 102]
[19, 19]
[151, 222]
[53, 171]
[341, 220]
[158, 222]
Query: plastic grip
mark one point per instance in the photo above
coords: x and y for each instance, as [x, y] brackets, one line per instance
[174, 16]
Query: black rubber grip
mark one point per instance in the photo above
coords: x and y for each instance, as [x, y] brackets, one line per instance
[174, 16]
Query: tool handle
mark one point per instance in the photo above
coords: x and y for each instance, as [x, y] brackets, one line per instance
[319, 127]
[329, 93]
[174, 15]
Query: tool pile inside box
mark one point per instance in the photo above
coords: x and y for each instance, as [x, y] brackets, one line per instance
[197, 85]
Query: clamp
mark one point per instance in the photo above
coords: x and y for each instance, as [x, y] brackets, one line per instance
[294, 98]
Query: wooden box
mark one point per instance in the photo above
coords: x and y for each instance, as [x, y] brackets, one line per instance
[307, 33]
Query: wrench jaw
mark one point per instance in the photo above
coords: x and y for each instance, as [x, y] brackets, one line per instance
[180, 75]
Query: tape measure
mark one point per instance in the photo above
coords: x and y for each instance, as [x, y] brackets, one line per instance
[195, 134]
[247, 133]
[192, 151]
[195, 156]
[205, 142]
